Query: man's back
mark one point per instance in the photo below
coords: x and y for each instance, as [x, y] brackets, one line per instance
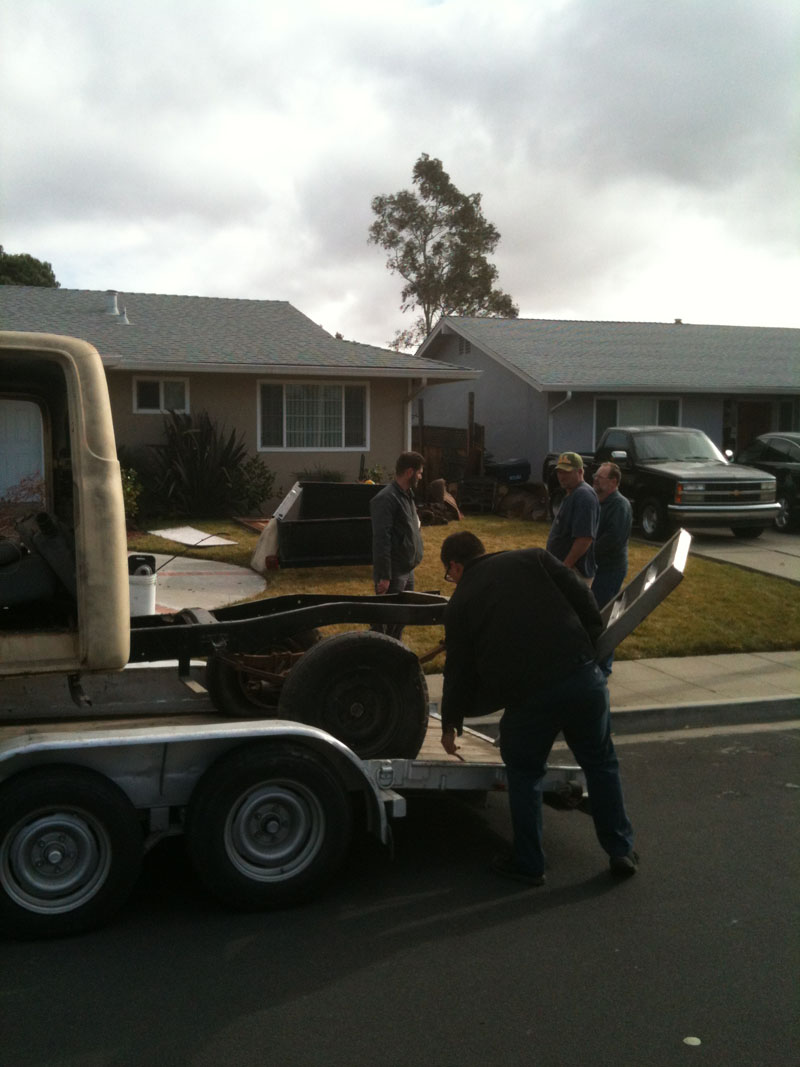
[517, 621]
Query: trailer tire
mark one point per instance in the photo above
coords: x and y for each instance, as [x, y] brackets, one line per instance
[71, 848]
[268, 824]
[364, 688]
[236, 693]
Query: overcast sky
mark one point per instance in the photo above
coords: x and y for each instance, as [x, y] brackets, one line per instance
[639, 158]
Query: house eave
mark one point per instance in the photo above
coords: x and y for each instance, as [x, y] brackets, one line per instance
[283, 370]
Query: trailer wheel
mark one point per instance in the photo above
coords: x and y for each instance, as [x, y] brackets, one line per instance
[268, 824]
[366, 689]
[70, 851]
[240, 693]
[653, 519]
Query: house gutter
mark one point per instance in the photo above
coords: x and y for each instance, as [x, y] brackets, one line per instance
[560, 404]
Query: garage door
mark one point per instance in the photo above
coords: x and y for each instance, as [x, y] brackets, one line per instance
[21, 443]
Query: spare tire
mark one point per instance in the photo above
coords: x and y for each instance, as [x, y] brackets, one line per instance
[364, 688]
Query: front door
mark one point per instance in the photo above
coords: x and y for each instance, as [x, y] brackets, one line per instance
[753, 417]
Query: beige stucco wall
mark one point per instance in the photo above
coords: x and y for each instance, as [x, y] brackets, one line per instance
[232, 400]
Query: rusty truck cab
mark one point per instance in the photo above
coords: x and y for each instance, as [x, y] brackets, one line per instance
[63, 561]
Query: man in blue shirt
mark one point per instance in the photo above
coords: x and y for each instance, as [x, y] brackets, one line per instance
[611, 544]
[574, 528]
[613, 534]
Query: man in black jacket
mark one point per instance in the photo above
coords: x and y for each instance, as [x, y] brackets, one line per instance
[520, 631]
[396, 537]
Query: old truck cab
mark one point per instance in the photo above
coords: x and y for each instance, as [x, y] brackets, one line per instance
[63, 563]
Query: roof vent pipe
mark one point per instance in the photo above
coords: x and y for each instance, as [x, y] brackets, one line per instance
[679, 322]
[123, 319]
[111, 306]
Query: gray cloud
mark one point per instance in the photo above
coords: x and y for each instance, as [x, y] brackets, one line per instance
[235, 151]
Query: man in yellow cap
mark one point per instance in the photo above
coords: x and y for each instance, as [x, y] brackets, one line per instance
[574, 528]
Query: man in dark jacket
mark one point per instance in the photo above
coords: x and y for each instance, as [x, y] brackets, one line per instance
[520, 631]
[396, 537]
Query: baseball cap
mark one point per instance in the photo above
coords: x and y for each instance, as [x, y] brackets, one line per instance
[569, 461]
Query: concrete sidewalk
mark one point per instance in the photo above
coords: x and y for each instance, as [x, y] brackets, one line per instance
[693, 691]
[198, 583]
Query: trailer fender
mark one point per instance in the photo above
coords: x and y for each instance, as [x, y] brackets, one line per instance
[158, 767]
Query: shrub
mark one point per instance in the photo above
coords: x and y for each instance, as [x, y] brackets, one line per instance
[202, 470]
[132, 490]
[254, 483]
[319, 474]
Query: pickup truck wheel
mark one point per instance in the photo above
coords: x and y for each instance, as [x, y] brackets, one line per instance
[653, 520]
[241, 693]
[70, 851]
[747, 533]
[783, 520]
[268, 824]
[366, 689]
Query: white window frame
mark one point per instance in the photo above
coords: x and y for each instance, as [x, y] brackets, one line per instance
[161, 409]
[315, 448]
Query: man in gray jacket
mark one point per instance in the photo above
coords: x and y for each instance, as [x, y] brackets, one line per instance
[396, 537]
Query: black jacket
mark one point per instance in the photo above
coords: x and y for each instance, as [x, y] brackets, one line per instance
[396, 537]
[517, 622]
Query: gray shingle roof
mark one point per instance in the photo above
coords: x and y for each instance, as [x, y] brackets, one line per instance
[557, 354]
[208, 333]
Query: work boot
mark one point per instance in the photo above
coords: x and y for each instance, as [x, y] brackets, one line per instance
[506, 867]
[624, 866]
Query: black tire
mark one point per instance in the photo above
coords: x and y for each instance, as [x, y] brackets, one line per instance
[554, 501]
[747, 533]
[653, 520]
[236, 693]
[783, 520]
[268, 824]
[366, 689]
[71, 849]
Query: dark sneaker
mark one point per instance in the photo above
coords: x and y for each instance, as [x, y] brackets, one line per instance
[624, 866]
[506, 867]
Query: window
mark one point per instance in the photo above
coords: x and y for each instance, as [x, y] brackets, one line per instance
[312, 415]
[635, 411]
[158, 395]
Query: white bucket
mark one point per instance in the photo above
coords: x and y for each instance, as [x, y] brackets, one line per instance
[143, 594]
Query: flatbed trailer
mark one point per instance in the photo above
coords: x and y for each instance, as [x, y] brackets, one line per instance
[267, 806]
[277, 741]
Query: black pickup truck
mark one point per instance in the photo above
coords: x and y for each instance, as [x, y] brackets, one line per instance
[676, 476]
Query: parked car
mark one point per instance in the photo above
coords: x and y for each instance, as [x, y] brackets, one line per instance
[779, 453]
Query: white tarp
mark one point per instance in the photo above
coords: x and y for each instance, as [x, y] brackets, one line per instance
[187, 535]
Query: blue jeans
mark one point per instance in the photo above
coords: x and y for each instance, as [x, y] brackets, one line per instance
[398, 583]
[578, 706]
[607, 583]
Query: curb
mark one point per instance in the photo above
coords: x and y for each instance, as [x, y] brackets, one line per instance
[657, 717]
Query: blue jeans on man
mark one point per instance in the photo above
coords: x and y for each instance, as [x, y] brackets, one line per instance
[578, 706]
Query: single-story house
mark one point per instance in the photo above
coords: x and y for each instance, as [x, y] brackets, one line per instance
[550, 385]
[301, 398]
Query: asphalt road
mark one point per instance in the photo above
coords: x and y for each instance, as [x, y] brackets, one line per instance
[430, 959]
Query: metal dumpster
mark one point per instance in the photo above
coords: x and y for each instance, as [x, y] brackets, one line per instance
[325, 524]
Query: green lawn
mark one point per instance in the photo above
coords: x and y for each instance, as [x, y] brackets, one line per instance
[717, 608]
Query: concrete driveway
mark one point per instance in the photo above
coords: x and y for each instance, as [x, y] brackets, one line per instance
[771, 553]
